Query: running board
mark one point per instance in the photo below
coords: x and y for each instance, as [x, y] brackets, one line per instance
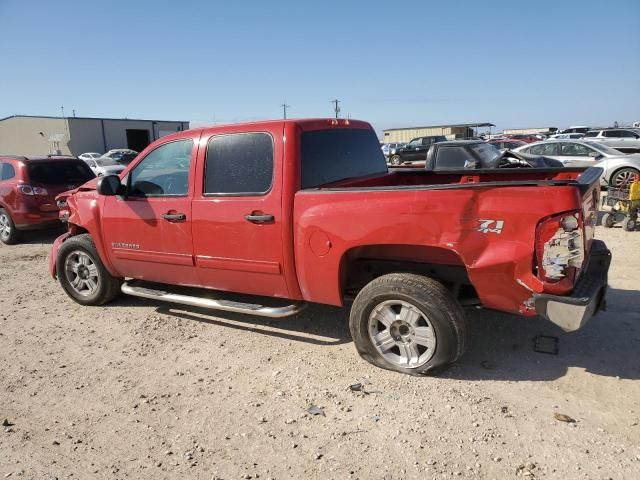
[226, 305]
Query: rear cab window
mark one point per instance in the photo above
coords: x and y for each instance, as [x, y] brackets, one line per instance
[59, 172]
[332, 155]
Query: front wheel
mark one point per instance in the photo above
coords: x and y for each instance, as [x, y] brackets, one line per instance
[608, 220]
[396, 160]
[9, 235]
[82, 274]
[407, 323]
[629, 224]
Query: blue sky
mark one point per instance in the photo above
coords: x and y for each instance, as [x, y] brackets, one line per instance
[402, 63]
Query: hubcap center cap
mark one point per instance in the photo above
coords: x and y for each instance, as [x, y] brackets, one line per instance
[401, 331]
[83, 272]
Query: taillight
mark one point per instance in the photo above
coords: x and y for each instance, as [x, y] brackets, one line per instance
[560, 247]
[29, 190]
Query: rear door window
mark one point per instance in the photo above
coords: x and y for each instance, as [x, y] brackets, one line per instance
[7, 172]
[59, 172]
[239, 164]
[450, 158]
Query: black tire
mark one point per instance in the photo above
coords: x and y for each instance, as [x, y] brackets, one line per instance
[622, 177]
[396, 160]
[107, 287]
[9, 234]
[608, 220]
[439, 308]
[629, 224]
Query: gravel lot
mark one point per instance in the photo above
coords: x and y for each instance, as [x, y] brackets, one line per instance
[140, 390]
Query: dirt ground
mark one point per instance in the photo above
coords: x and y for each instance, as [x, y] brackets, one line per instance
[141, 390]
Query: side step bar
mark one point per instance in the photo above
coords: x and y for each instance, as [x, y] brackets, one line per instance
[226, 305]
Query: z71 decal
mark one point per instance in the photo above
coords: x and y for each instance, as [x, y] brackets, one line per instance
[491, 226]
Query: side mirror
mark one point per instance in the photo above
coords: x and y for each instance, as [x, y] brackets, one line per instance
[110, 185]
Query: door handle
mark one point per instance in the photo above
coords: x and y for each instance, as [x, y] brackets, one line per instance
[174, 217]
[261, 218]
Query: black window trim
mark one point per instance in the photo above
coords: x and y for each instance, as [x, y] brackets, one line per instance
[168, 195]
[240, 194]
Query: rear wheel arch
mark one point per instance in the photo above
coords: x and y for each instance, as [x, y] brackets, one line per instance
[361, 265]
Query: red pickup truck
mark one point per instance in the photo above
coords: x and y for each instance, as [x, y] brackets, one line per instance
[306, 210]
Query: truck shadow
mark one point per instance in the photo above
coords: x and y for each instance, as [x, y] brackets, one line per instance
[502, 346]
[317, 324]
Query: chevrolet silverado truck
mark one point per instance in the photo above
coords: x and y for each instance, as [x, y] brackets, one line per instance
[306, 211]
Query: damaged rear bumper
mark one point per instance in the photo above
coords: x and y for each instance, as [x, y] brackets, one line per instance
[588, 297]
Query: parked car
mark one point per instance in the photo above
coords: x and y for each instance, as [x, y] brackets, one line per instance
[618, 168]
[576, 129]
[326, 222]
[105, 166]
[121, 155]
[28, 187]
[524, 137]
[390, 148]
[566, 136]
[89, 156]
[504, 144]
[624, 139]
[415, 150]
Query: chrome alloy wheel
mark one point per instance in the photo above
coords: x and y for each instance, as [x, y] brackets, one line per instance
[402, 334]
[624, 177]
[82, 273]
[5, 226]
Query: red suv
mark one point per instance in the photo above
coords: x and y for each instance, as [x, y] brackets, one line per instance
[28, 187]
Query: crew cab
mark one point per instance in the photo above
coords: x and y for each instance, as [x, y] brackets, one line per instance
[290, 212]
[415, 150]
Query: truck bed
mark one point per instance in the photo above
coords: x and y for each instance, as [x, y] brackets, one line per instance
[418, 177]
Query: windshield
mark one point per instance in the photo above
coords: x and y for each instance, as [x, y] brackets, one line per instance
[603, 148]
[337, 154]
[59, 172]
[488, 152]
[106, 162]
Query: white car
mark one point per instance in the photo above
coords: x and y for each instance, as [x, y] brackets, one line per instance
[619, 169]
[89, 156]
[624, 139]
[104, 166]
[566, 136]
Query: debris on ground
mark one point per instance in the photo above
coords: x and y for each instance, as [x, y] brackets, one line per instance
[315, 410]
[563, 418]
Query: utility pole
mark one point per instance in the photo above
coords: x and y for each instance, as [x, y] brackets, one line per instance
[74, 113]
[336, 107]
[284, 110]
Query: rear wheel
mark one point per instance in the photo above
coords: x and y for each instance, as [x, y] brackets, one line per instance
[396, 160]
[608, 220]
[407, 323]
[82, 274]
[9, 235]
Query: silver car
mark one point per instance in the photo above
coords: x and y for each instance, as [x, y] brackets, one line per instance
[618, 168]
[104, 166]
